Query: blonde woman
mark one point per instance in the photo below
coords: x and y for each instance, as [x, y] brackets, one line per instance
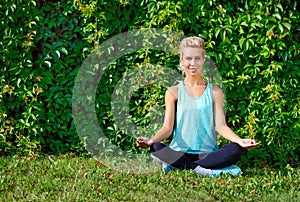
[194, 114]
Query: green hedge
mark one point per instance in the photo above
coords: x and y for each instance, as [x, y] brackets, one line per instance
[255, 44]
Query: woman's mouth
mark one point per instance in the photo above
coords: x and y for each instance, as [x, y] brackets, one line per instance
[193, 69]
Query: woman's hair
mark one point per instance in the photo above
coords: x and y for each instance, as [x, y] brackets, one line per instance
[193, 42]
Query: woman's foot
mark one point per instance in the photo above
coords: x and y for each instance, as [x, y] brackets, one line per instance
[232, 170]
[203, 171]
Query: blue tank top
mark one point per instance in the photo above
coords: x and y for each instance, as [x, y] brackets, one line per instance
[194, 131]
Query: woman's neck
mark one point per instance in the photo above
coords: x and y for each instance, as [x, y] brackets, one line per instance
[194, 80]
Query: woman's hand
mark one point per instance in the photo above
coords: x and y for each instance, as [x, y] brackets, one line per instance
[248, 143]
[143, 142]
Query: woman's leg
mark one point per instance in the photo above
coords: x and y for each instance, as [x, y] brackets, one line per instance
[227, 155]
[171, 157]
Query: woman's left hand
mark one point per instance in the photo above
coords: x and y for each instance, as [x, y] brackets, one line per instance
[143, 142]
[248, 143]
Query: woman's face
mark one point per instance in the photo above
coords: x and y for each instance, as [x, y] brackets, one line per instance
[192, 60]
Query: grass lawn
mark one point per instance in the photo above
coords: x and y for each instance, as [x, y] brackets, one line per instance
[85, 179]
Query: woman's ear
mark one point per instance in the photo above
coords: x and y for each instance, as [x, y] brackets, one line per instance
[203, 59]
[181, 63]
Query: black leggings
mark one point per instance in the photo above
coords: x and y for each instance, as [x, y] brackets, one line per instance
[227, 155]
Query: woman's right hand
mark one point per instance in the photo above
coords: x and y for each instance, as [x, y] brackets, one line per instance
[143, 142]
[248, 143]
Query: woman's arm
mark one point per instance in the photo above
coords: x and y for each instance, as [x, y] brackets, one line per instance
[166, 130]
[220, 122]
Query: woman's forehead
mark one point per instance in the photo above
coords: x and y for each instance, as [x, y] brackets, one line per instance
[192, 51]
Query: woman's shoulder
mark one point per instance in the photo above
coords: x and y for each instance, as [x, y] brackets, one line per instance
[217, 92]
[173, 88]
[217, 89]
[173, 91]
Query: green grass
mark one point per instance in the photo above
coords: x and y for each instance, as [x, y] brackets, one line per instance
[85, 179]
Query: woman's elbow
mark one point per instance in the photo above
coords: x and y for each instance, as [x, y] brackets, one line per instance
[167, 130]
[221, 128]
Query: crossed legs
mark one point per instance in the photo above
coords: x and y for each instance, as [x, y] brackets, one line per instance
[227, 155]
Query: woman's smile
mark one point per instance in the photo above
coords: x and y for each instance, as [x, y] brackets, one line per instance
[193, 69]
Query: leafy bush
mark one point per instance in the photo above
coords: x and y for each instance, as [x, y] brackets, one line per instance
[40, 61]
[255, 45]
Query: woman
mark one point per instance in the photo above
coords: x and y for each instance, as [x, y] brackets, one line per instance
[196, 107]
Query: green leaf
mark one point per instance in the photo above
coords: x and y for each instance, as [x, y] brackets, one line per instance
[287, 25]
[18, 82]
[280, 6]
[280, 28]
[56, 54]
[259, 17]
[217, 31]
[48, 64]
[223, 35]
[241, 42]
[63, 50]
[277, 15]
[241, 31]
[247, 44]
[47, 80]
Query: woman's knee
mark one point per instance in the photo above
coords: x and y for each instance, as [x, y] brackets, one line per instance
[239, 149]
[235, 148]
[157, 146]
